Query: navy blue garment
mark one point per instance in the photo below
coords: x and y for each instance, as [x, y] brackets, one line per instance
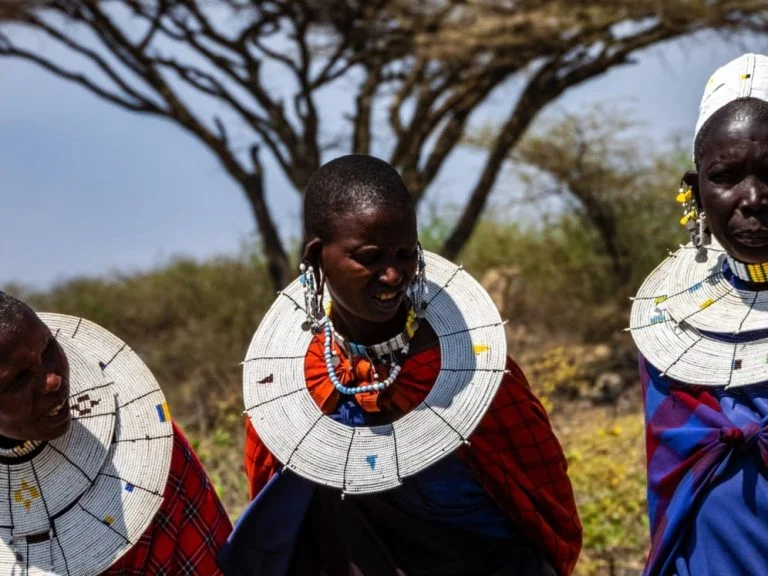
[444, 500]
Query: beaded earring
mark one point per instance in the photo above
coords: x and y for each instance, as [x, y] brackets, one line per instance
[418, 289]
[313, 299]
[695, 221]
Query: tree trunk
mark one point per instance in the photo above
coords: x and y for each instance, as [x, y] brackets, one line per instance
[600, 216]
[605, 225]
[278, 265]
[534, 98]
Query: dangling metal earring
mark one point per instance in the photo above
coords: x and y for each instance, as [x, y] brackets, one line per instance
[695, 222]
[312, 300]
[704, 238]
[418, 289]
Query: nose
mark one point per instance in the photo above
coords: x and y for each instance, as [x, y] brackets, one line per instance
[52, 382]
[754, 197]
[391, 276]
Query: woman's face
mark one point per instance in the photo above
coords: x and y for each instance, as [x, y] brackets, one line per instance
[733, 184]
[370, 262]
[34, 382]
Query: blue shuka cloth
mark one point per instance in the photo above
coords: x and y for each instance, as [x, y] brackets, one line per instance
[707, 478]
[265, 536]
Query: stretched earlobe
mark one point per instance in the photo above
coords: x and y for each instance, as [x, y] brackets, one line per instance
[691, 180]
[418, 289]
[312, 254]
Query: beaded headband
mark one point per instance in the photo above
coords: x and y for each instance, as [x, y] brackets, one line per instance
[743, 77]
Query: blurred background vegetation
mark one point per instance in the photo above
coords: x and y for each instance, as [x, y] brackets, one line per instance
[582, 206]
[562, 279]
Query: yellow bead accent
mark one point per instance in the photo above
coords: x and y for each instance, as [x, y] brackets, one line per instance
[409, 323]
[685, 195]
[31, 491]
[690, 216]
[660, 299]
[165, 411]
[109, 520]
[707, 303]
[756, 273]
[480, 348]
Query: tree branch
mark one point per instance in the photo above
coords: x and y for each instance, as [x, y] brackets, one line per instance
[540, 90]
[548, 83]
[7, 49]
[361, 131]
[309, 159]
[415, 75]
[91, 55]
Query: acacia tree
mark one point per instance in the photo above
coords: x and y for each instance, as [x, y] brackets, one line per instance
[601, 172]
[429, 64]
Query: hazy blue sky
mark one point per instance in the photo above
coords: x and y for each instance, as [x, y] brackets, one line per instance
[89, 189]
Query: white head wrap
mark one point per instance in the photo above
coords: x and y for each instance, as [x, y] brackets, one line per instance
[744, 77]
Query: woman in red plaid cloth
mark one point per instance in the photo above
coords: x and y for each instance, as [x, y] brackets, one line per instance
[95, 477]
[419, 447]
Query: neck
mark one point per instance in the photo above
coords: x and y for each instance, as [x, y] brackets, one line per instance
[6, 442]
[365, 332]
[752, 273]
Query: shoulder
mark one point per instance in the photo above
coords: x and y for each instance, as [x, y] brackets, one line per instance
[515, 383]
[187, 478]
[515, 403]
[182, 449]
[515, 375]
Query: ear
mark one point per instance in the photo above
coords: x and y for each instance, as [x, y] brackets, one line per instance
[312, 254]
[691, 178]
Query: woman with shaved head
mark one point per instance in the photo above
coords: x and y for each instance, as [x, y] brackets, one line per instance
[95, 478]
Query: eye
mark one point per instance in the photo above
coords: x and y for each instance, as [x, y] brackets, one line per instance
[53, 358]
[366, 256]
[19, 381]
[725, 175]
[50, 351]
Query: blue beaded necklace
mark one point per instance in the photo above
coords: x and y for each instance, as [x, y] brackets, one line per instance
[330, 354]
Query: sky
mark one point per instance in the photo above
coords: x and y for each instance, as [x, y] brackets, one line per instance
[88, 189]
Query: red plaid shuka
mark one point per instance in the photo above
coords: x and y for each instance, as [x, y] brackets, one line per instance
[513, 453]
[189, 528]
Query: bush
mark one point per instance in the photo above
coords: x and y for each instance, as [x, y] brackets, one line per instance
[191, 323]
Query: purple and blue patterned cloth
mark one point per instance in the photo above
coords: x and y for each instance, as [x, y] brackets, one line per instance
[707, 451]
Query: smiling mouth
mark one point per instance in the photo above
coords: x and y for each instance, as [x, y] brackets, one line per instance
[387, 296]
[55, 411]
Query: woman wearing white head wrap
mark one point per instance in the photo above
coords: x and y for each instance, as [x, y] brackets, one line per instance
[700, 321]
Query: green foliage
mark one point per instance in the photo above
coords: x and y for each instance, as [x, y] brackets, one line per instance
[604, 215]
[606, 463]
[191, 323]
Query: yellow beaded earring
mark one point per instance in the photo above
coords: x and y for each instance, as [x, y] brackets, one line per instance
[695, 221]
